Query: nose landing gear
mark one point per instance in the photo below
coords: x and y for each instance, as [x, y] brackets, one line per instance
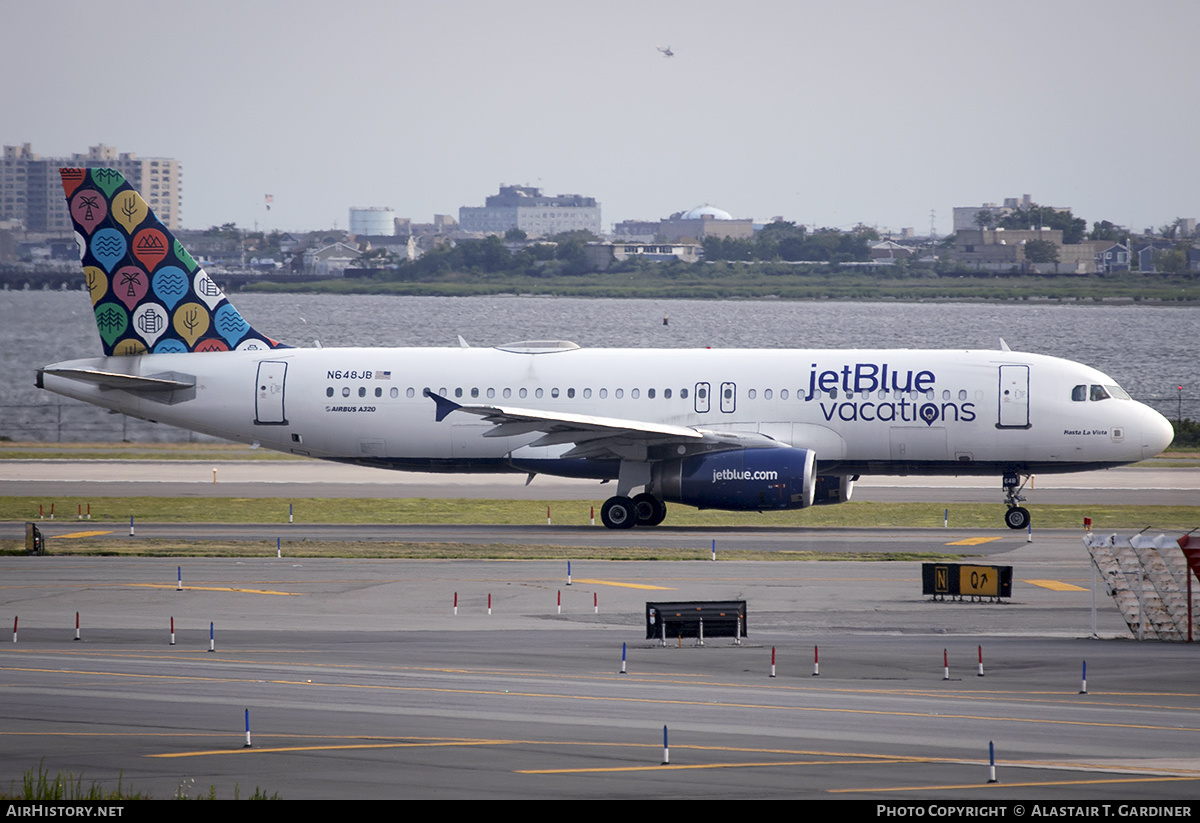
[1017, 517]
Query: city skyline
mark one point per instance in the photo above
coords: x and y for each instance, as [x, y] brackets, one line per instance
[862, 111]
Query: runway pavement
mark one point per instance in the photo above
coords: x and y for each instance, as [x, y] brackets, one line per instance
[361, 682]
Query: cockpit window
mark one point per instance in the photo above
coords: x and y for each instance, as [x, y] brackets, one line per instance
[1118, 392]
[1099, 393]
[1079, 393]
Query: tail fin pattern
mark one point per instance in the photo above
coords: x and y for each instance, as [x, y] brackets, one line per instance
[149, 295]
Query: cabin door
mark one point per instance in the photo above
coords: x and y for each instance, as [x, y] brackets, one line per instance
[1014, 397]
[268, 394]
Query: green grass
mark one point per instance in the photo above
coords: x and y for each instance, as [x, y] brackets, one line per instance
[40, 786]
[114, 512]
[139, 547]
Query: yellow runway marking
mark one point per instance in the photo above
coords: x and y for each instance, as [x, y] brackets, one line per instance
[341, 747]
[212, 589]
[79, 534]
[681, 767]
[1018, 785]
[1056, 585]
[626, 585]
[972, 541]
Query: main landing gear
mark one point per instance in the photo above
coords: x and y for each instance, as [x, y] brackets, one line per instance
[1017, 517]
[626, 512]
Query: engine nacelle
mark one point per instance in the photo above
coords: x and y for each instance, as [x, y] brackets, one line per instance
[740, 479]
[833, 489]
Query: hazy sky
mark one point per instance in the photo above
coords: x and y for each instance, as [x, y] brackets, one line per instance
[822, 112]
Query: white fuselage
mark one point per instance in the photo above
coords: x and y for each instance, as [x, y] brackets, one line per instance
[860, 411]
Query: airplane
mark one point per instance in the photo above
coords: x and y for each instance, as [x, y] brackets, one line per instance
[743, 430]
[666, 52]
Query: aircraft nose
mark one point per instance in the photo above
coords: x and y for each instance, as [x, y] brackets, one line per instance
[1157, 433]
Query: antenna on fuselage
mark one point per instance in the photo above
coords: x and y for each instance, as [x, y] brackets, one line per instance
[1003, 345]
[463, 344]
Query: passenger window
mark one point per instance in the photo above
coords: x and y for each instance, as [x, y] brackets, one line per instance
[587, 393]
[507, 393]
[491, 392]
[750, 394]
[329, 392]
[1079, 394]
[635, 393]
[619, 393]
[523, 392]
[766, 394]
[458, 392]
[345, 391]
[683, 393]
[362, 391]
[474, 391]
[570, 392]
[783, 395]
[379, 391]
[537, 393]
[554, 392]
[650, 393]
[666, 394]
[603, 393]
[833, 394]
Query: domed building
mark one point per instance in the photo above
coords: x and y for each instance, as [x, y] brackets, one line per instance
[704, 221]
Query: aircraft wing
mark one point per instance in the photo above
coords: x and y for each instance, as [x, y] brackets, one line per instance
[594, 436]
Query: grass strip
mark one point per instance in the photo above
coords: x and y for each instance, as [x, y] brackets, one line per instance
[115, 512]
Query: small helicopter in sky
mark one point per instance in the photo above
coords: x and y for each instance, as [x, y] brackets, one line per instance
[666, 52]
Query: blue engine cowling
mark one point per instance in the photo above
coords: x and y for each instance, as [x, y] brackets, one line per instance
[740, 479]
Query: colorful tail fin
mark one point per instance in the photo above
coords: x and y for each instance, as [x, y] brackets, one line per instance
[149, 294]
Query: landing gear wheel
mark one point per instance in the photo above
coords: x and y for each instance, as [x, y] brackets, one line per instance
[618, 513]
[650, 510]
[1016, 518]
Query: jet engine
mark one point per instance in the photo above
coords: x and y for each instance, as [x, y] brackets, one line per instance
[741, 479]
[833, 489]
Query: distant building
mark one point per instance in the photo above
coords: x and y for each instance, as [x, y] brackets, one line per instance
[1004, 250]
[31, 190]
[637, 231]
[527, 209]
[601, 255]
[890, 250]
[1111, 257]
[374, 221]
[331, 260]
[967, 217]
[704, 221]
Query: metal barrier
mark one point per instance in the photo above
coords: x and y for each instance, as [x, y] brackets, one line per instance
[696, 618]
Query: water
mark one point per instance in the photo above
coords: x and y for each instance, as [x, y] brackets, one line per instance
[1148, 349]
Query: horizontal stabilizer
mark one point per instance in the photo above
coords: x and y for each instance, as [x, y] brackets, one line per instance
[165, 387]
[129, 382]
